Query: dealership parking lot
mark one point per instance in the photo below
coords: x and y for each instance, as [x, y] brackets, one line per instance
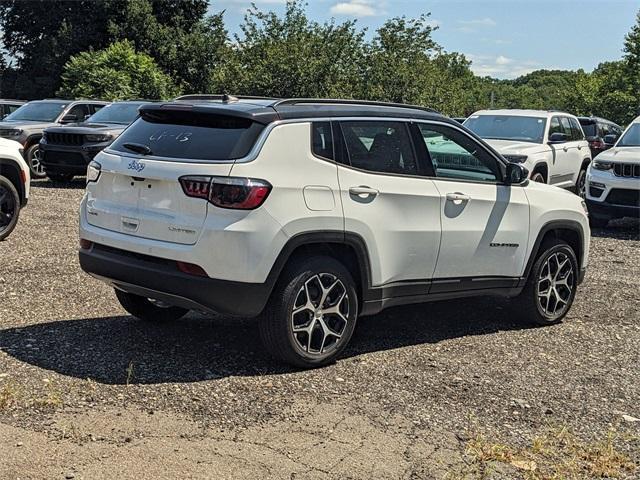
[443, 390]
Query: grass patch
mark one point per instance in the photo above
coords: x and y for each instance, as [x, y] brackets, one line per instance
[8, 395]
[556, 454]
[52, 397]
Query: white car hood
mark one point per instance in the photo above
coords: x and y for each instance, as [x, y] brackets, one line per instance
[510, 147]
[621, 155]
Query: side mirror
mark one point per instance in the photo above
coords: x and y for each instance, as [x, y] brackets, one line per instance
[610, 139]
[558, 137]
[517, 174]
[69, 118]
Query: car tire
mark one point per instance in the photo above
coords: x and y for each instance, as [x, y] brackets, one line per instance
[581, 184]
[538, 177]
[551, 286]
[60, 177]
[149, 310]
[598, 222]
[9, 207]
[296, 328]
[33, 157]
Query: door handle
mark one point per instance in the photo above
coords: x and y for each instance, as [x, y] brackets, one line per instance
[363, 190]
[458, 197]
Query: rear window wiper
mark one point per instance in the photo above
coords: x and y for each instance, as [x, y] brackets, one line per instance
[138, 148]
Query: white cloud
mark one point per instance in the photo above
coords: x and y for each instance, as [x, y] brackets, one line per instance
[501, 66]
[470, 26]
[355, 8]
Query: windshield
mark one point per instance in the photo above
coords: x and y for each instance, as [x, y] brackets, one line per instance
[119, 113]
[631, 137]
[38, 112]
[507, 127]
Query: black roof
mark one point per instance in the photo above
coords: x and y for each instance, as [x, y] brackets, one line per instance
[597, 119]
[267, 110]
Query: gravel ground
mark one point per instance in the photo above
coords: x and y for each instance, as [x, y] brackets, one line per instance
[445, 390]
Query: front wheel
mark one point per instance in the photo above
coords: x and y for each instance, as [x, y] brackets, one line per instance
[148, 309]
[551, 286]
[33, 156]
[312, 313]
[538, 177]
[9, 207]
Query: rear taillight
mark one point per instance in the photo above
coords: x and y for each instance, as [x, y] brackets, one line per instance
[93, 171]
[85, 244]
[227, 192]
[597, 144]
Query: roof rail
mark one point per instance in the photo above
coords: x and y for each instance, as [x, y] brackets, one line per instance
[223, 97]
[12, 100]
[329, 101]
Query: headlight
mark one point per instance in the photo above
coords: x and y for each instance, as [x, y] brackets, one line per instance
[14, 132]
[93, 171]
[96, 138]
[602, 165]
[516, 158]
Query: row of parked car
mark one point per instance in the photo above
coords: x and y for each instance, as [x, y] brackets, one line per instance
[59, 138]
[311, 213]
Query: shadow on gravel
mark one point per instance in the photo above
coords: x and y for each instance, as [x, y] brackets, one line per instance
[77, 183]
[200, 348]
[625, 229]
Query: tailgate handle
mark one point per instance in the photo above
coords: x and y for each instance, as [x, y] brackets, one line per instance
[130, 223]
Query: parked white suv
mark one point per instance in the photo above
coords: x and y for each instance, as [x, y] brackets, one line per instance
[14, 185]
[316, 212]
[551, 145]
[614, 179]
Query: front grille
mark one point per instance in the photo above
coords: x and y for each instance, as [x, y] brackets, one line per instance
[626, 170]
[64, 138]
[624, 196]
[63, 158]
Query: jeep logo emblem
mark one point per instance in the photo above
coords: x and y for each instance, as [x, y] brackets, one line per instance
[136, 165]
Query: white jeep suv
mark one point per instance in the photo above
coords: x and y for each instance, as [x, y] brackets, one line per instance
[316, 212]
[551, 145]
[613, 179]
[14, 185]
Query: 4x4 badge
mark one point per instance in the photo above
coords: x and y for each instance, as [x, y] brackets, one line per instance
[136, 165]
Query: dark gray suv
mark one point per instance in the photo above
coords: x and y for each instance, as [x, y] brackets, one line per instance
[27, 123]
[66, 150]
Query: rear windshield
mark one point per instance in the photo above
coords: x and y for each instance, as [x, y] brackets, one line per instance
[589, 127]
[507, 127]
[189, 135]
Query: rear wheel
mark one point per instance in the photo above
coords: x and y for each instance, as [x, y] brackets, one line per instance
[33, 156]
[148, 309]
[312, 313]
[9, 207]
[581, 184]
[538, 177]
[551, 286]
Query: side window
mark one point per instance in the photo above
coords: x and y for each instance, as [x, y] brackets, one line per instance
[566, 127]
[576, 130]
[79, 111]
[455, 155]
[93, 108]
[555, 127]
[380, 146]
[322, 140]
[11, 108]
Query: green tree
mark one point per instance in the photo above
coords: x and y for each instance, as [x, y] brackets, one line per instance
[292, 56]
[115, 73]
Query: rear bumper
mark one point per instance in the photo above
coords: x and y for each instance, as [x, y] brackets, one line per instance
[160, 279]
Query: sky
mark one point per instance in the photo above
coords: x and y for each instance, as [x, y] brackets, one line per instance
[502, 38]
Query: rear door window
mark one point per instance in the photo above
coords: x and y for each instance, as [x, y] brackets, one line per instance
[576, 131]
[380, 146]
[322, 140]
[190, 135]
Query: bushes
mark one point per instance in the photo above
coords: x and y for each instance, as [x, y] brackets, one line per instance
[116, 73]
